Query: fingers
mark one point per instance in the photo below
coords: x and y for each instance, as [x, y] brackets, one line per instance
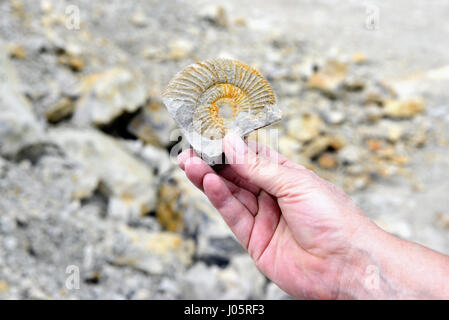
[262, 150]
[183, 156]
[229, 174]
[236, 205]
[234, 213]
[270, 176]
[247, 198]
[196, 169]
[265, 224]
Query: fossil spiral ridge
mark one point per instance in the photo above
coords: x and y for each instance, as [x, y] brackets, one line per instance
[209, 98]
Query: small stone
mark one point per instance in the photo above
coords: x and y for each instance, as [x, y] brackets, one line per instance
[306, 127]
[378, 93]
[180, 49]
[334, 117]
[404, 108]
[139, 19]
[327, 160]
[240, 21]
[320, 144]
[3, 286]
[152, 52]
[156, 253]
[358, 57]
[46, 6]
[60, 110]
[17, 52]
[329, 79]
[71, 61]
[19, 126]
[18, 8]
[373, 112]
[289, 147]
[350, 155]
[400, 159]
[394, 133]
[84, 184]
[419, 137]
[353, 84]
[442, 220]
[215, 14]
[374, 144]
[169, 210]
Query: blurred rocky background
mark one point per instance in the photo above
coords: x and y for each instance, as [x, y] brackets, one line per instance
[87, 185]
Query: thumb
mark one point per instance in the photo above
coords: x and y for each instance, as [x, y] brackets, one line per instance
[271, 176]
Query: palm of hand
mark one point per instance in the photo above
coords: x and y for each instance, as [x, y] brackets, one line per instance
[295, 238]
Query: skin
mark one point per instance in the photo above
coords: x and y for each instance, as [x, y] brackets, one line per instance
[307, 235]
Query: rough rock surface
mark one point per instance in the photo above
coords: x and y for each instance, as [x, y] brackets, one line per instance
[128, 182]
[15, 132]
[108, 94]
[89, 185]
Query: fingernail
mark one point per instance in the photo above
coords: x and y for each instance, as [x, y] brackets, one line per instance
[182, 157]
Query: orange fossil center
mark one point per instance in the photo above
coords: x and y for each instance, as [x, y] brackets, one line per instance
[218, 107]
[224, 108]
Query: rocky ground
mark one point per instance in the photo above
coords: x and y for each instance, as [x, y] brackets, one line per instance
[87, 184]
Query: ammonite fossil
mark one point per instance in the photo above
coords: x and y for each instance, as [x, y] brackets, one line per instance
[209, 98]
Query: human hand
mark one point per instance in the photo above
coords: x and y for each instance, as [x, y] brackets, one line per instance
[303, 233]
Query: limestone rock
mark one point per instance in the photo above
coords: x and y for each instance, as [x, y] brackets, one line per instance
[329, 79]
[108, 94]
[306, 127]
[61, 109]
[153, 252]
[128, 182]
[321, 144]
[404, 108]
[16, 51]
[180, 49]
[442, 220]
[358, 57]
[350, 154]
[139, 19]
[71, 61]
[215, 14]
[18, 124]
[155, 157]
[327, 160]
[215, 241]
[153, 124]
[169, 210]
[239, 280]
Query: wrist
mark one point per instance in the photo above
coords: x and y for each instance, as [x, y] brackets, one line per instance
[363, 276]
[382, 266]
